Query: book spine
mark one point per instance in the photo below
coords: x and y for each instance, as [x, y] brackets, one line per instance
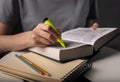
[77, 71]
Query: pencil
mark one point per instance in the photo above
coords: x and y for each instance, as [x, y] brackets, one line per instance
[44, 72]
[27, 63]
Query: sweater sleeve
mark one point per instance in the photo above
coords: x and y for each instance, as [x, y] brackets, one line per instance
[9, 12]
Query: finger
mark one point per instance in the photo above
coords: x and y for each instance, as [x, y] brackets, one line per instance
[95, 26]
[50, 30]
[44, 36]
[59, 31]
[39, 44]
[36, 42]
[42, 40]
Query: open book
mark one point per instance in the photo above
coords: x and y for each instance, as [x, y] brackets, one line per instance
[60, 72]
[80, 42]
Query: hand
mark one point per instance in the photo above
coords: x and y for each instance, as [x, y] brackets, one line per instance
[44, 35]
[41, 35]
[94, 26]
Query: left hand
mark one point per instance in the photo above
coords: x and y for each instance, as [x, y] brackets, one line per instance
[94, 26]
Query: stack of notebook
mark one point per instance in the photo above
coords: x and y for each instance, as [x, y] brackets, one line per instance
[11, 64]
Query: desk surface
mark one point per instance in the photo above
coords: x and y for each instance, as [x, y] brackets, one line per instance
[106, 66]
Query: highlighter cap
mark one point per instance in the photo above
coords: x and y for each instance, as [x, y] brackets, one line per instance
[45, 19]
[48, 22]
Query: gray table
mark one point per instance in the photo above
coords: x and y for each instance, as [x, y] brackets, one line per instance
[106, 66]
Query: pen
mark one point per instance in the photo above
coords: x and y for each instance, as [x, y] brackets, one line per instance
[36, 66]
[59, 40]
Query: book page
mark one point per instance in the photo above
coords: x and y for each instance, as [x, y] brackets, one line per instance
[68, 44]
[86, 35]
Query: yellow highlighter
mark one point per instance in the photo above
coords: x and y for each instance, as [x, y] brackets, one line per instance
[59, 40]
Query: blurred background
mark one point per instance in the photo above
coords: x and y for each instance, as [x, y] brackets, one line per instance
[109, 16]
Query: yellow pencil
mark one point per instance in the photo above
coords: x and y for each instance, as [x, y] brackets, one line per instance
[36, 66]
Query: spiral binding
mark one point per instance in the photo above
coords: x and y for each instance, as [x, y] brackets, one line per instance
[77, 71]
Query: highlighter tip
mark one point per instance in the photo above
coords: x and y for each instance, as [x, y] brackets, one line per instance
[63, 45]
[61, 42]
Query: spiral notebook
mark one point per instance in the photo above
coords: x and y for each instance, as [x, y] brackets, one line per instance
[60, 72]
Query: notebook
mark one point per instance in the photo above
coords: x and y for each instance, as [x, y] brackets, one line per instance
[60, 72]
[7, 78]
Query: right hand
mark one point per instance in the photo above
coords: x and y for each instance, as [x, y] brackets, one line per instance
[43, 35]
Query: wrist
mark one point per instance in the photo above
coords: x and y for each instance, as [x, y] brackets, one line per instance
[22, 40]
[27, 39]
